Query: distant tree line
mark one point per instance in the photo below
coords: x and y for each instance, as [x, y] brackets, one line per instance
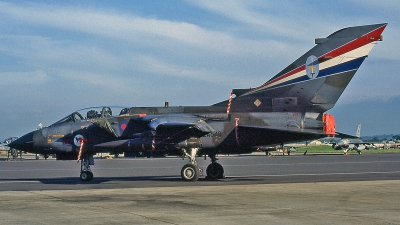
[381, 138]
[375, 138]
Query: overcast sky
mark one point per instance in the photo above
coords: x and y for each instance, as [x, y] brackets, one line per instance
[60, 56]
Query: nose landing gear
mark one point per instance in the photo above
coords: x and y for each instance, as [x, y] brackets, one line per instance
[86, 173]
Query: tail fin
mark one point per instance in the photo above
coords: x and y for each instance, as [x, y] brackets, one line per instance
[358, 134]
[315, 81]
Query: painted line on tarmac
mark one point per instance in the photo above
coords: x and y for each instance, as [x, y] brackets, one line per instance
[19, 181]
[315, 174]
[307, 163]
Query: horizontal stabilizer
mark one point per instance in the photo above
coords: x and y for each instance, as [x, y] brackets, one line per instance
[267, 135]
[294, 130]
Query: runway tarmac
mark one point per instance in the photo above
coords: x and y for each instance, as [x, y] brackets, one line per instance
[313, 189]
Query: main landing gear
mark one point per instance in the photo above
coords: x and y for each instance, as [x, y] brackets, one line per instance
[214, 170]
[346, 151]
[191, 172]
[86, 173]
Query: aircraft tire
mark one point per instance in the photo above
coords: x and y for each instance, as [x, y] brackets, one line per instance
[215, 171]
[86, 176]
[190, 172]
[90, 176]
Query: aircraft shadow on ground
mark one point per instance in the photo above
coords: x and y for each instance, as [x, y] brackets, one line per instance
[168, 180]
[100, 180]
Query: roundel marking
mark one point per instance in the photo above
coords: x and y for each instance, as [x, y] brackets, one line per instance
[312, 66]
[78, 140]
[123, 125]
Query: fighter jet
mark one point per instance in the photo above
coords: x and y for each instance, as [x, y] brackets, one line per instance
[290, 107]
[355, 144]
[10, 151]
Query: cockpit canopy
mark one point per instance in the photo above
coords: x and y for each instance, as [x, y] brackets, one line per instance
[75, 116]
[91, 113]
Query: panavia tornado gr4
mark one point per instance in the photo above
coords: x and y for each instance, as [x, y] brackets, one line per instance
[289, 107]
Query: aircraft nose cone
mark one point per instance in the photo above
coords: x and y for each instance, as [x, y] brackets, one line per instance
[24, 143]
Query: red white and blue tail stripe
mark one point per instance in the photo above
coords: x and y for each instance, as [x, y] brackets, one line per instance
[347, 49]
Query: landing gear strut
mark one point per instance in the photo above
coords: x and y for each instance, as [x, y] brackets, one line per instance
[86, 173]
